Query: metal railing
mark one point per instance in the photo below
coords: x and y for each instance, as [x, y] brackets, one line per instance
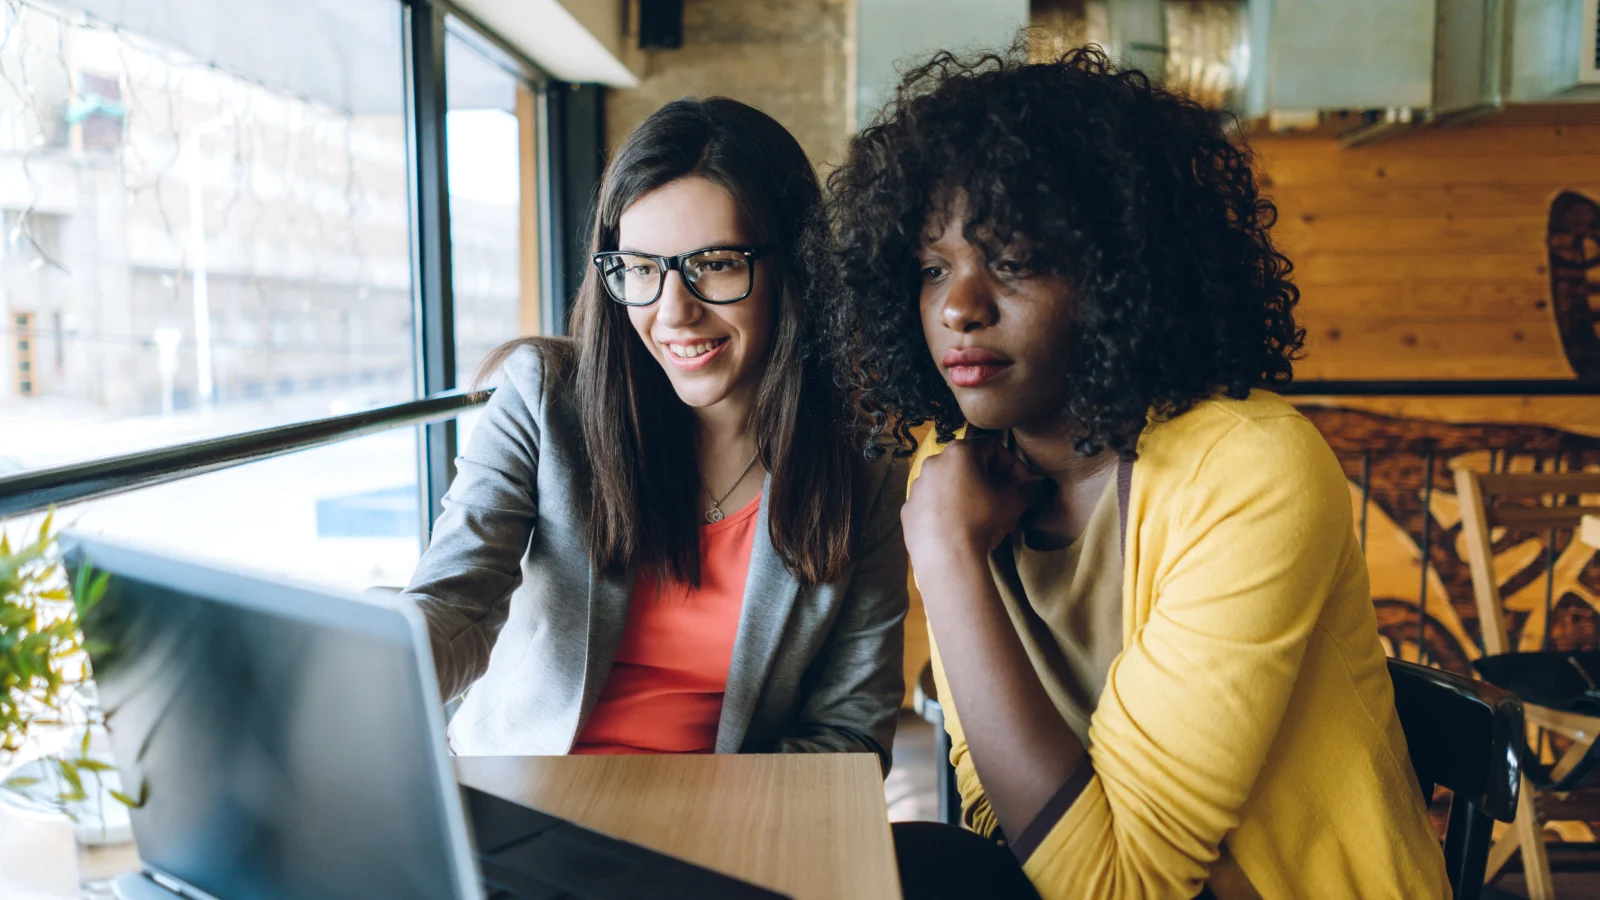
[39, 489]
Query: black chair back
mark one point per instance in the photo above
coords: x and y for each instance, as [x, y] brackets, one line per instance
[1560, 680]
[1465, 735]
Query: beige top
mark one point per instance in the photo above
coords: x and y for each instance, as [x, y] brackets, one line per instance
[1075, 593]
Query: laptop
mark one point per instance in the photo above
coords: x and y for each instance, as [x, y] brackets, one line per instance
[289, 743]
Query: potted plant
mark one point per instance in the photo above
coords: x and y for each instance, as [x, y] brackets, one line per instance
[52, 732]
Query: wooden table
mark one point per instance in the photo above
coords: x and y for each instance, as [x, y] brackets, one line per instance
[808, 825]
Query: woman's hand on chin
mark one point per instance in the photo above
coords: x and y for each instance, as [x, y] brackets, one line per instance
[966, 500]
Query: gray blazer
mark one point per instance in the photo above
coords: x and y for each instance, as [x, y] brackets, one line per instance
[516, 612]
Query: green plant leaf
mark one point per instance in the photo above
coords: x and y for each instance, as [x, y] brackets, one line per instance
[84, 750]
[18, 782]
[69, 771]
[91, 588]
[12, 617]
[98, 589]
[88, 588]
[42, 658]
[80, 586]
[131, 802]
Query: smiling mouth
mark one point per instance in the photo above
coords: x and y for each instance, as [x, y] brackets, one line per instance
[694, 351]
[696, 355]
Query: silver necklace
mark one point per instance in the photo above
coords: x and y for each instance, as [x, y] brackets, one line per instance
[714, 514]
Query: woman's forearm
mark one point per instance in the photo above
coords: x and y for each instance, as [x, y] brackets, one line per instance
[1023, 749]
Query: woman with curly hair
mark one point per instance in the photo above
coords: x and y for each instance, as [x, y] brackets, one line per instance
[1153, 636]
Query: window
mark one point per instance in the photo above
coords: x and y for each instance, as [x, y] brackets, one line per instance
[203, 248]
[489, 132]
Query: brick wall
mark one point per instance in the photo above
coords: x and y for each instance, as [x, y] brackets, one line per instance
[790, 58]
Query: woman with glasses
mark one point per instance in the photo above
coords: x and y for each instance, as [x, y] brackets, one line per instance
[660, 538]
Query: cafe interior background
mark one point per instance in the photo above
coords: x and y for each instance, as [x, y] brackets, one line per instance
[1436, 168]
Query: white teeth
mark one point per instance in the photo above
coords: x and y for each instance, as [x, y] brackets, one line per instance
[690, 351]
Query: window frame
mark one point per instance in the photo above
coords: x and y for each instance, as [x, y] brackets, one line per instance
[425, 26]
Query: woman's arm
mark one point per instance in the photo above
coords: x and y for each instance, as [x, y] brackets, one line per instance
[988, 673]
[856, 681]
[963, 504]
[474, 561]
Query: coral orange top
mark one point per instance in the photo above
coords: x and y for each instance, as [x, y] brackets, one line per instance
[664, 693]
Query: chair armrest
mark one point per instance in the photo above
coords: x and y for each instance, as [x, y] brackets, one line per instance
[1464, 734]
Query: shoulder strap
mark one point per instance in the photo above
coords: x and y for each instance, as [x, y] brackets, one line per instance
[1124, 487]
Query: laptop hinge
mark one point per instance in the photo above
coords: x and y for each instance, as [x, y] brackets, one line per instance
[175, 886]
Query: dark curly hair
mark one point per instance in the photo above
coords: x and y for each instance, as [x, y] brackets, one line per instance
[1136, 197]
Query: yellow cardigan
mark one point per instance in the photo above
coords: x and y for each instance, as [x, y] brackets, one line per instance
[1247, 737]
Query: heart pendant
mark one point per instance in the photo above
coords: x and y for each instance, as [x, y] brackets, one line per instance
[714, 514]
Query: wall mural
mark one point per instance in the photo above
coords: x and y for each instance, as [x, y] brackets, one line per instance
[1551, 590]
[1398, 481]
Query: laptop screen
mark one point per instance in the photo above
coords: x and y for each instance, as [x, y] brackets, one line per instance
[279, 735]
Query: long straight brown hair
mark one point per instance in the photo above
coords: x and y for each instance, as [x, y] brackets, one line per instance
[645, 478]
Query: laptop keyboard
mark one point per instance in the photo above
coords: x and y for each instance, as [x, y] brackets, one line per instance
[501, 884]
[554, 856]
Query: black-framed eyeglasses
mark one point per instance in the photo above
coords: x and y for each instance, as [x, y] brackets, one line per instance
[715, 274]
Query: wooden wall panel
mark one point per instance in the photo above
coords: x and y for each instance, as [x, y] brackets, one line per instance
[1425, 256]
[1400, 347]
[1405, 202]
[1436, 299]
[1442, 233]
[1365, 167]
[1506, 136]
